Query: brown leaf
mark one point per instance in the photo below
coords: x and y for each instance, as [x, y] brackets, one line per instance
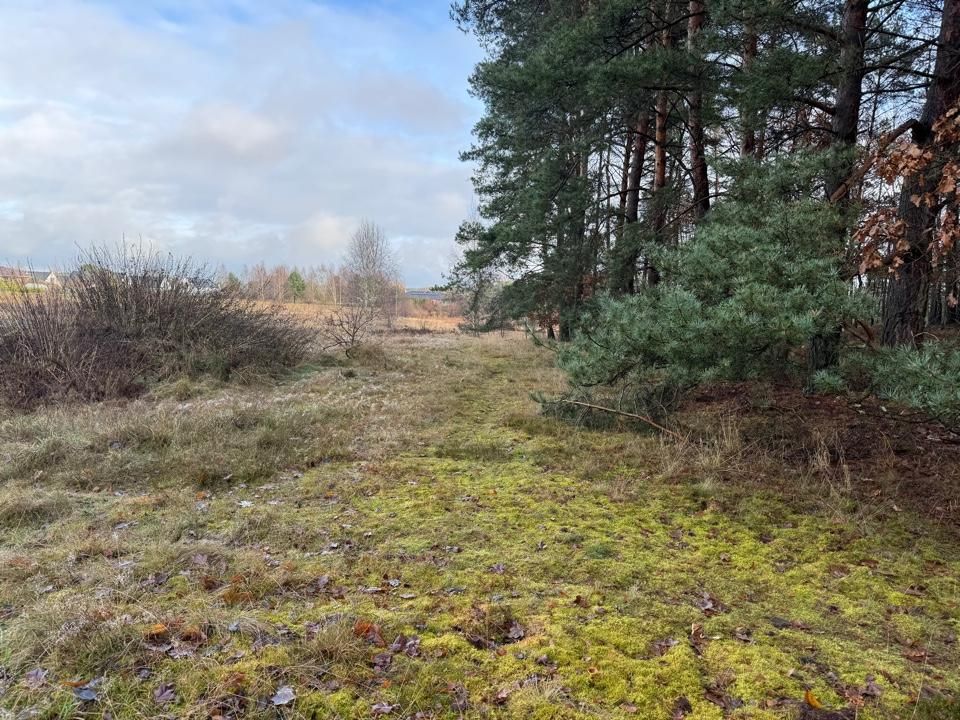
[681, 708]
[194, 634]
[916, 654]
[708, 604]
[369, 631]
[697, 639]
[157, 631]
[871, 689]
[661, 647]
[164, 693]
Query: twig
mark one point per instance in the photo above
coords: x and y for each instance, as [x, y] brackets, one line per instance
[642, 418]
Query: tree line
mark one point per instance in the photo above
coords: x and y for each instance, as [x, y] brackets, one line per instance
[719, 188]
[368, 275]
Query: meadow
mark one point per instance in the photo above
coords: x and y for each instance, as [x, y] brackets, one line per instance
[405, 534]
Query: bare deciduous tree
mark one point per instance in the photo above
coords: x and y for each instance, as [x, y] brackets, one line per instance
[369, 288]
[370, 269]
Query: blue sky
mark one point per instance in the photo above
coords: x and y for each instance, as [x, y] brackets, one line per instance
[234, 131]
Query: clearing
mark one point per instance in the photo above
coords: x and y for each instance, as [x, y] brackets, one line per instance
[404, 535]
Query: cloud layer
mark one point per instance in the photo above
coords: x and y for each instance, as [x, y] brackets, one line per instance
[243, 132]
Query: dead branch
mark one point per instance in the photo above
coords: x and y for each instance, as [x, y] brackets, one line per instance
[635, 416]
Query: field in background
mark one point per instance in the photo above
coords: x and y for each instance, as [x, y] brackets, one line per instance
[414, 319]
[404, 535]
[419, 321]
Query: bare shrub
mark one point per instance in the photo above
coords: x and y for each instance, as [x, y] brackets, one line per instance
[128, 318]
[347, 326]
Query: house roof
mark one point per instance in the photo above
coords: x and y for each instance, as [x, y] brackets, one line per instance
[30, 275]
[425, 294]
[11, 273]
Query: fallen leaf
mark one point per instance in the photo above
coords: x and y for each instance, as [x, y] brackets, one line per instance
[871, 689]
[164, 693]
[369, 631]
[155, 632]
[681, 708]
[283, 696]
[383, 708]
[916, 654]
[461, 697]
[660, 647]
[35, 678]
[697, 639]
[708, 604]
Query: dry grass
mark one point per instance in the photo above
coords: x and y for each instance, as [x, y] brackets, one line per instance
[405, 531]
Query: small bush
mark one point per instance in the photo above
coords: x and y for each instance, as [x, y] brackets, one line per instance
[924, 379]
[128, 319]
[348, 326]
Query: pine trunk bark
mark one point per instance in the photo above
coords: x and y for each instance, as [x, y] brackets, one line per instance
[659, 179]
[748, 144]
[625, 272]
[823, 351]
[698, 155]
[905, 311]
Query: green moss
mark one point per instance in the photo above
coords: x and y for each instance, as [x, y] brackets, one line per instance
[452, 523]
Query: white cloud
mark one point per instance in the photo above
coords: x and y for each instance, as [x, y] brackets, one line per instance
[266, 137]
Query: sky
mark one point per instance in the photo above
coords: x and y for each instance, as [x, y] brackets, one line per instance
[234, 131]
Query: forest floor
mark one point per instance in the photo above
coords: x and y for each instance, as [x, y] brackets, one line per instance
[404, 535]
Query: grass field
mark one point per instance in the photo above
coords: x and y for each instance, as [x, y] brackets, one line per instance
[404, 535]
[425, 322]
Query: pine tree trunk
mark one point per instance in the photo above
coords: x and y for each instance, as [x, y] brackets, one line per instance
[748, 144]
[698, 156]
[658, 200]
[625, 272]
[846, 116]
[824, 347]
[905, 311]
[659, 179]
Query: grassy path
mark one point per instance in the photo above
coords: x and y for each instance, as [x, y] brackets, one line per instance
[407, 537]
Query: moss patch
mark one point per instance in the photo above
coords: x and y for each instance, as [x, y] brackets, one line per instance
[412, 537]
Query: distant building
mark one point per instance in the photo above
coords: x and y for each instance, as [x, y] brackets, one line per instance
[425, 294]
[31, 279]
[11, 274]
[45, 277]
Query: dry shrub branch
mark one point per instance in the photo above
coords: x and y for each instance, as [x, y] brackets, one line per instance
[128, 318]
